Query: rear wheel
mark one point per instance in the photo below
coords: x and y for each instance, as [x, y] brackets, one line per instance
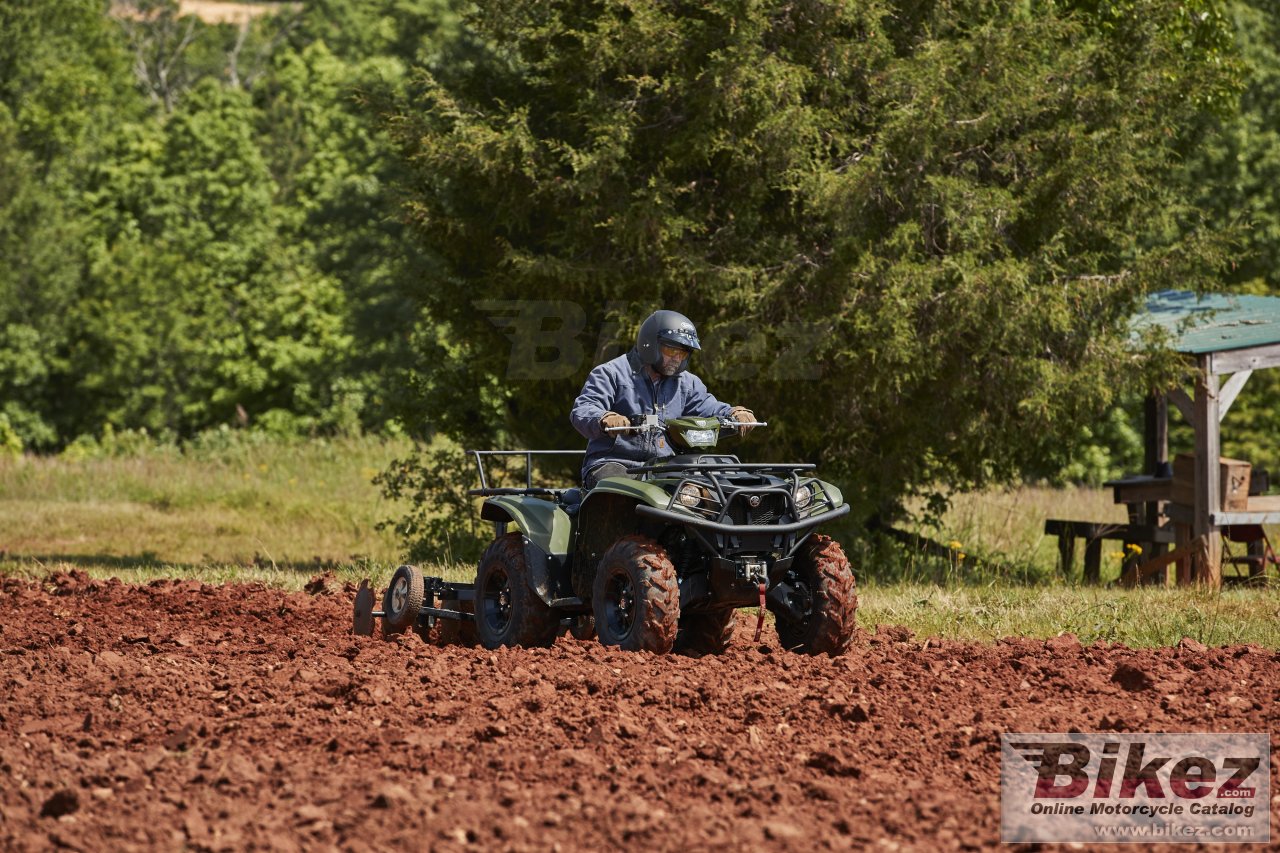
[508, 611]
[825, 601]
[402, 601]
[709, 633]
[636, 597]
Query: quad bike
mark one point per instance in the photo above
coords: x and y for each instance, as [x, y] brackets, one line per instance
[657, 561]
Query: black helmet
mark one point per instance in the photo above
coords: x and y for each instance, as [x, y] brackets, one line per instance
[671, 327]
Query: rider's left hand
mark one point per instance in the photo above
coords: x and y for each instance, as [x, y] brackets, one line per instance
[742, 414]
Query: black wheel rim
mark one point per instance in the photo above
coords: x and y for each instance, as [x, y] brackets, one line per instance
[801, 599]
[620, 605]
[496, 602]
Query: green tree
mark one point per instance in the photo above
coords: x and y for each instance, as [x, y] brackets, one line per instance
[64, 86]
[912, 231]
[198, 305]
[195, 217]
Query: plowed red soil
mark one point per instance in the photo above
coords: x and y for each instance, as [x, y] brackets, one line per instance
[184, 716]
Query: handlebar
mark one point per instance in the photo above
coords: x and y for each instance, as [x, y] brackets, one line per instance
[647, 425]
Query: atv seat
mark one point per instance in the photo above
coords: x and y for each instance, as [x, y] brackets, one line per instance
[571, 500]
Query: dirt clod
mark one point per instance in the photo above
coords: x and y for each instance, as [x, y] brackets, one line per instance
[1195, 646]
[1132, 678]
[325, 584]
[64, 802]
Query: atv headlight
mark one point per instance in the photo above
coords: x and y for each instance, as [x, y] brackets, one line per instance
[700, 437]
[804, 496]
[691, 495]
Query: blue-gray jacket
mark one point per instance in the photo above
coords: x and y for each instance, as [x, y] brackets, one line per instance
[622, 385]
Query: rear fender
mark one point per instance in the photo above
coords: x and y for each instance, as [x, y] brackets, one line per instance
[548, 535]
[543, 522]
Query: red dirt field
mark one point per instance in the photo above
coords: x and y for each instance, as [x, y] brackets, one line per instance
[183, 716]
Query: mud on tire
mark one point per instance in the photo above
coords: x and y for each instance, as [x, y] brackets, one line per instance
[709, 633]
[824, 578]
[508, 611]
[636, 597]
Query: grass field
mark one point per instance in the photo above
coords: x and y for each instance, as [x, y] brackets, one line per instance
[266, 505]
[281, 512]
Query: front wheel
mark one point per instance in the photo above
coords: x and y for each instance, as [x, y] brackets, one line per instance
[636, 597]
[824, 601]
[508, 611]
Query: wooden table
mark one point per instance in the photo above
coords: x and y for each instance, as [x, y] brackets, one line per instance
[1146, 498]
[1137, 489]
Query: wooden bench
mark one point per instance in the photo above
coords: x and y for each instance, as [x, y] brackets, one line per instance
[1094, 533]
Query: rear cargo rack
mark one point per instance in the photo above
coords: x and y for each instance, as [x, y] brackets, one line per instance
[529, 488]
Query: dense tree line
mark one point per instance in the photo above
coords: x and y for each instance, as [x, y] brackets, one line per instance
[911, 230]
[199, 222]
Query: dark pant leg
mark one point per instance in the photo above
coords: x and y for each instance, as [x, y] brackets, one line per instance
[605, 469]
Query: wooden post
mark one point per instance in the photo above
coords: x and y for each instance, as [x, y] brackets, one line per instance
[1182, 538]
[1208, 562]
[1067, 554]
[1156, 458]
[1155, 432]
[1093, 561]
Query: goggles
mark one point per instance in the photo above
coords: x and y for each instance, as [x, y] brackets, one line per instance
[673, 351]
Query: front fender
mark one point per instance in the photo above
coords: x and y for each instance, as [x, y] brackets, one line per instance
[637, 490]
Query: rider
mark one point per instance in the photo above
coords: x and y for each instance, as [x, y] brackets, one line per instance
[651, 379]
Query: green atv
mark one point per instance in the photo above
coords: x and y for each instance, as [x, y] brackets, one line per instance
[657, 561]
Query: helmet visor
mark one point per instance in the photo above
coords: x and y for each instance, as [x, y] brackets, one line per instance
[687, 338]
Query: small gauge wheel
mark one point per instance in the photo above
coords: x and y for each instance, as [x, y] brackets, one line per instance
[402, 601]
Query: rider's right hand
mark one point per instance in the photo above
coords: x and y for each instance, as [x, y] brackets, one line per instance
[614, 420]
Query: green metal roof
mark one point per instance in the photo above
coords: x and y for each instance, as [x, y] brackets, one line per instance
[1212, 322]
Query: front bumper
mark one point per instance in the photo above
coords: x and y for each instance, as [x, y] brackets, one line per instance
[673, 517]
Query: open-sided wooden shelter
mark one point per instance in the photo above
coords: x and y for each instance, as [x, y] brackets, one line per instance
[1226, 338]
